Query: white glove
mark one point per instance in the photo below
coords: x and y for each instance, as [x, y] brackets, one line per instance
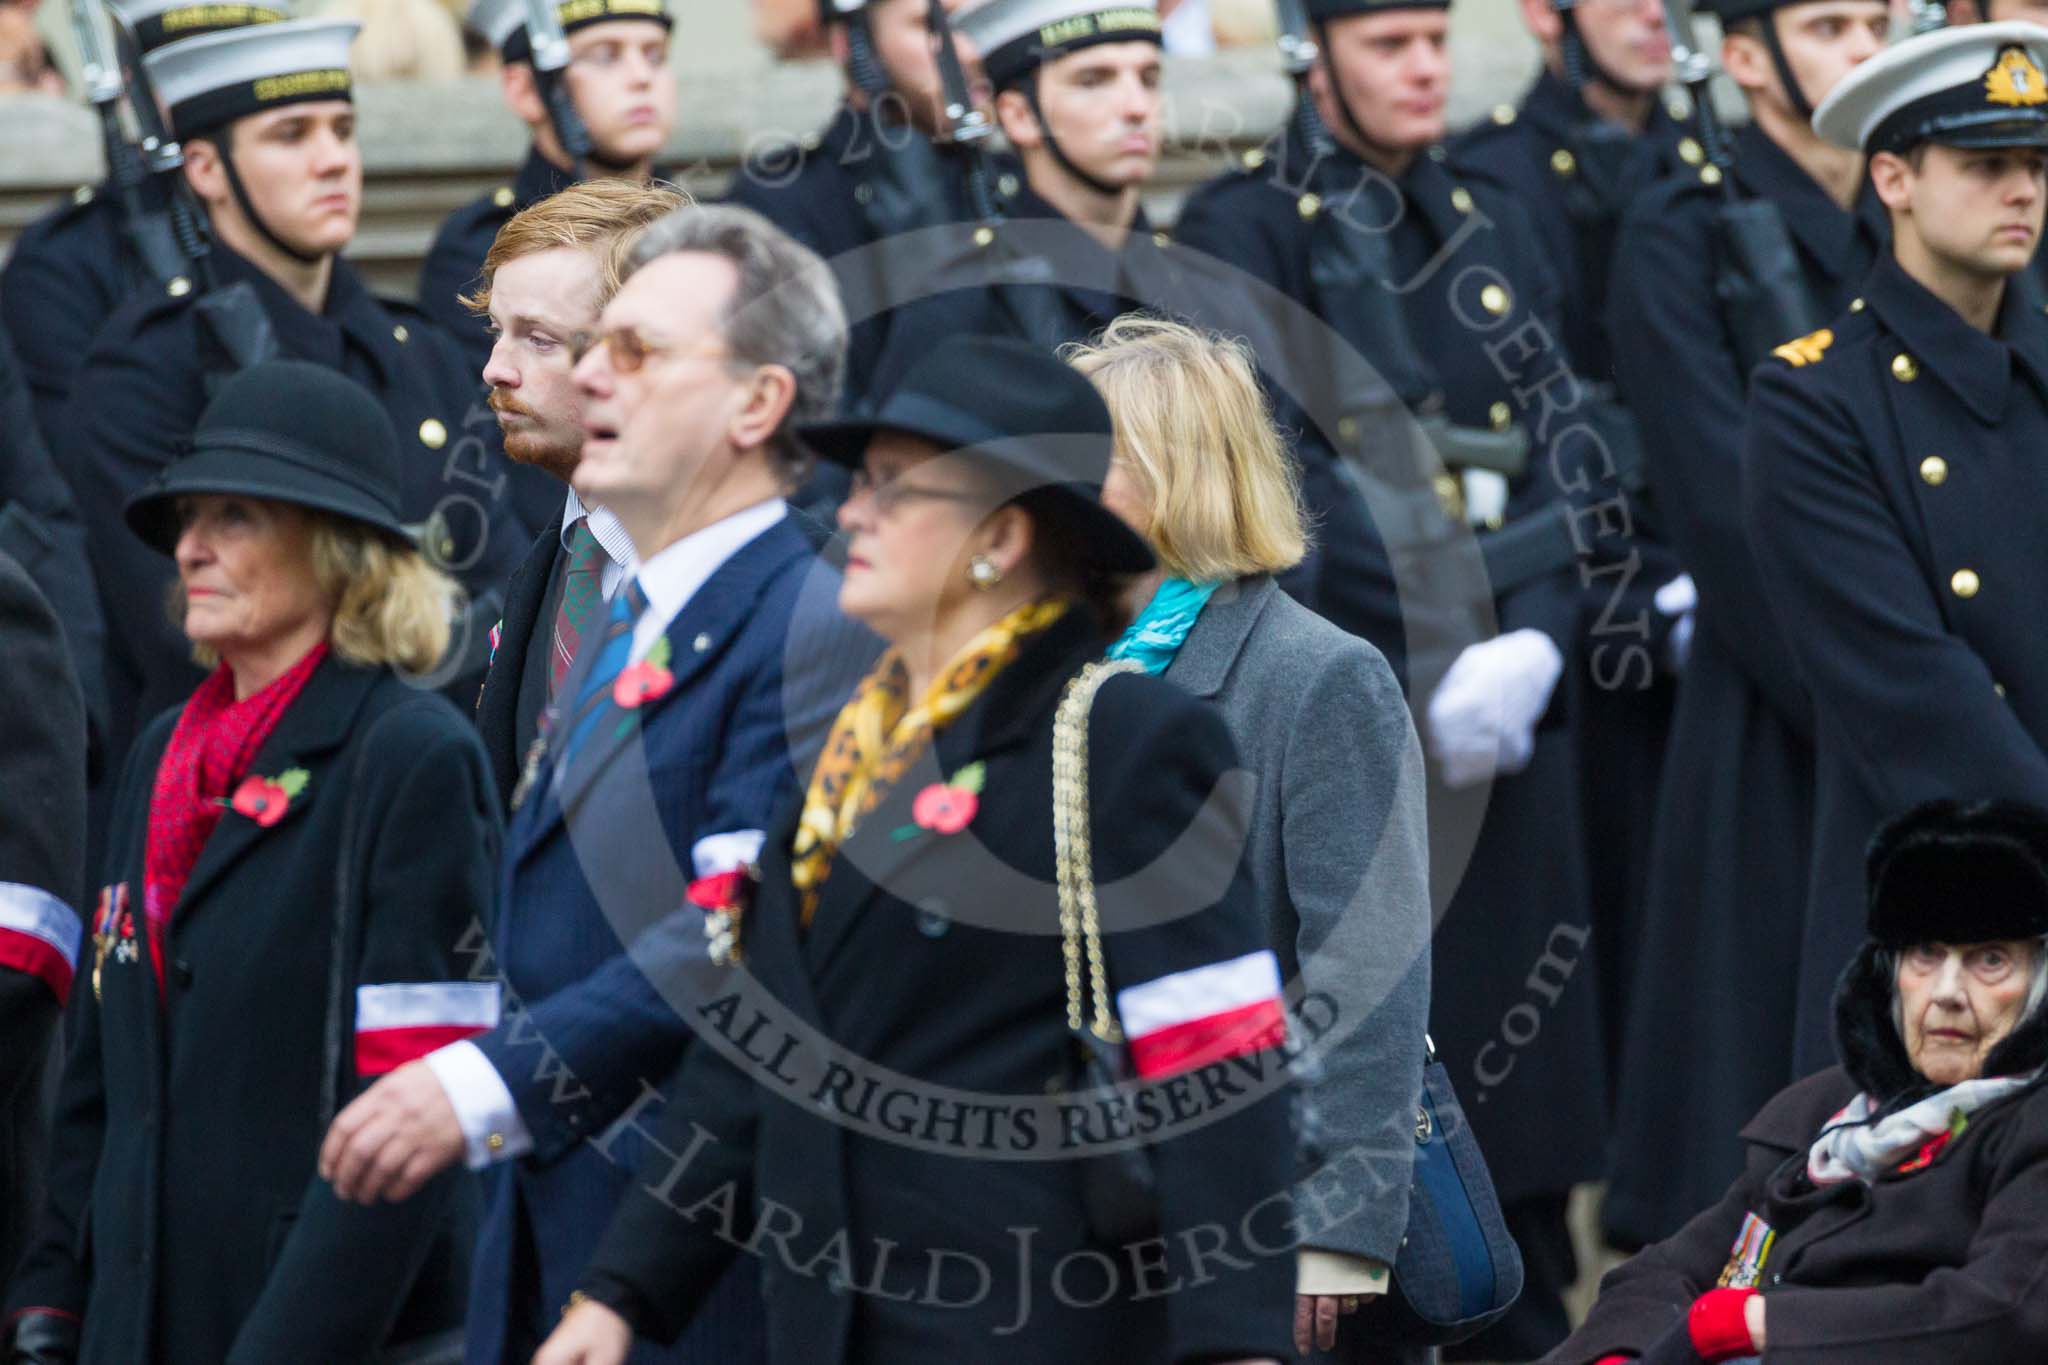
[1482, 717]
[1681, 599]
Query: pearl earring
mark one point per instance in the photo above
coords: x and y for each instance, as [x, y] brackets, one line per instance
[983, 573]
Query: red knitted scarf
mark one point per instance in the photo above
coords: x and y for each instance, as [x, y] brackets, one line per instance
[215, 741]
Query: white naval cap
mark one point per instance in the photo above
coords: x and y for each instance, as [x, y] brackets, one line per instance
[156, 22]
[504, 21]
[1016, 37]
[1977, 86]
[213, 80]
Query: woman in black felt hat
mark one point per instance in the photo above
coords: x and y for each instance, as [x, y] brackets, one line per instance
[1895, 1209]
[295, 855]
[904, 1139]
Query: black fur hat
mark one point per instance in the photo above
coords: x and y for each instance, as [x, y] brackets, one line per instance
[1944, 872]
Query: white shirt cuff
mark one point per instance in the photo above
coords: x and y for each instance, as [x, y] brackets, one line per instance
[492, 1130]
[1335, 1272]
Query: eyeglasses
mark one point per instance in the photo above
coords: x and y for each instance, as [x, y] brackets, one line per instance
[628, 350]
[891, 494]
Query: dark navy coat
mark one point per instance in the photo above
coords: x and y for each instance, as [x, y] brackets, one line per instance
[185, 1221]
[1574, 174]
[1893, 485]
[144, 385]
[818, 190]
[515, 685]
[1729, 867]
[593, 927]
[66, 274]
[1507, 873]
[933, 959]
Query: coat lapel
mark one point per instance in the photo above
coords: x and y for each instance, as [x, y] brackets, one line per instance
[312, 727]
[1218, 636]
[1016, 706]
[717, 613]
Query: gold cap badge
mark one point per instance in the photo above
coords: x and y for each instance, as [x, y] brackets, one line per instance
[2015, 80]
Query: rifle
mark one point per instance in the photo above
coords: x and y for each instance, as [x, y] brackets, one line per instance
[1765, 301]
[550, 60]
[231, 316]
[968, 129]
[146, 226]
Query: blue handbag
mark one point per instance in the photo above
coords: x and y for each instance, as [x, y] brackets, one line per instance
[1458, 1270]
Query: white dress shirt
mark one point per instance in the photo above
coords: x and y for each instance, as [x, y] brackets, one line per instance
[484, 1109]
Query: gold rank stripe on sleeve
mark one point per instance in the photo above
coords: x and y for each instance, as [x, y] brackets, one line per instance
[1806, 350]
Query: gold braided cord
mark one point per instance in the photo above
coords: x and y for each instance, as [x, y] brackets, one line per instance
[1073, 852]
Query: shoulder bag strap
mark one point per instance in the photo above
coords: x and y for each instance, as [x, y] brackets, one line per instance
[1080, 926]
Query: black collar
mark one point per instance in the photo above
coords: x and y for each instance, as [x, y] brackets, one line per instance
[1025, 202]
[1838, 241]
[350, 315]
[1976, 366]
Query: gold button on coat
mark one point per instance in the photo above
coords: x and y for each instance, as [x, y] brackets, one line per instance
[400, 334]
[1690, 151]
[1934, 470]
[502, 196]
[179, 287]
[1563, 162]
[984, 236]
[1855, 305]
[1254, 159]
[1710, 175]
[1347, 429]
[1500, 414]
[1904, 369]
[1504, 114]
[1495, 300]
[1965, 583]
[1309, 205]
[1461, 199]
[432, 434]
[1450, 494]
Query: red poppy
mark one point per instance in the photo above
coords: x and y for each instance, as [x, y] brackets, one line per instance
[944, 809]
[723, 891]
[261, 800]
[641, 683]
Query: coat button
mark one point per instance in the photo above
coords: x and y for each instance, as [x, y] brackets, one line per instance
[432, 434]
[1007, 186]
[984, 236]
[1495, 300]
[1254, 159]
[1690, 151]
[1934, 470]
[932, 920]
[1504, 114]
[1710, 174]
[1450, 495]
[1500, 414]
[496, 1142]
[863, 194]
[179, 287]
[1347, 429]
[701, 643]
[1964, 583]
[1162, 240]
[1904, 368]
[82, 195]
[1855, 305]
[1309, 205]
[400, 334]
[1461, 199]
[1999, 688]
[1563, 162]
[502, 196]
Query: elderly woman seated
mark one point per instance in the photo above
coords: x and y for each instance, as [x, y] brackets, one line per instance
[1895, 1208]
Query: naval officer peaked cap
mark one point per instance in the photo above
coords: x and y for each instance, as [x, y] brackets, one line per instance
[211, 81]
[1980, 86]
[504, 21]
[1016, 37]
[156, 22]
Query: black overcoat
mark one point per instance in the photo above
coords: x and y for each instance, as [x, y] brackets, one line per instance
[515, 684]
[1734, 814]
[1507, 866]
[185, 1221]
[1937, 1267]
[1893, 486]
[933, 962]
[66, 274]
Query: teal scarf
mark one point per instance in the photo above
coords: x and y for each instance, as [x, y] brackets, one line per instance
[1156, 635]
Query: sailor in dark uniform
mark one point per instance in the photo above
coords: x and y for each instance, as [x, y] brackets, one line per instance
[266, 118]
[70, 269]
[1074, 249]
[1591, 134]
[619, 81]
[1893, 476]
[1441, 288]
[1729, 852]
[876, 172]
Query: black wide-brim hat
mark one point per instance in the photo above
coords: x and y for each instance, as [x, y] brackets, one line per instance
[285, 431]
[1019, 411]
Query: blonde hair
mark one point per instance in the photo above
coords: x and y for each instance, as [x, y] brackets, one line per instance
[391, 607]
[602, 217]
[1194, 433]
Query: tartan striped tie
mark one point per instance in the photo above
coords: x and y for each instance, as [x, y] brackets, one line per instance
[615, 647]
[582, 590]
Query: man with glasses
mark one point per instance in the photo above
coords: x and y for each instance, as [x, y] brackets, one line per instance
[551, 270]
[678, 733]
[619, 82]
[1738, 787]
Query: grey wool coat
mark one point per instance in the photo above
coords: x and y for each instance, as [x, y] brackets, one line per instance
[1339, 857]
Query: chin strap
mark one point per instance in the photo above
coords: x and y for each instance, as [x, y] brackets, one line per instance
[1581, 67]
[1099, 185]
[248, 207]
[1336, 89]
[1794, 96]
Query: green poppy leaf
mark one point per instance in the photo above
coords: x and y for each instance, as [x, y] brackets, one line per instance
[293, 780]
[971, 778]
